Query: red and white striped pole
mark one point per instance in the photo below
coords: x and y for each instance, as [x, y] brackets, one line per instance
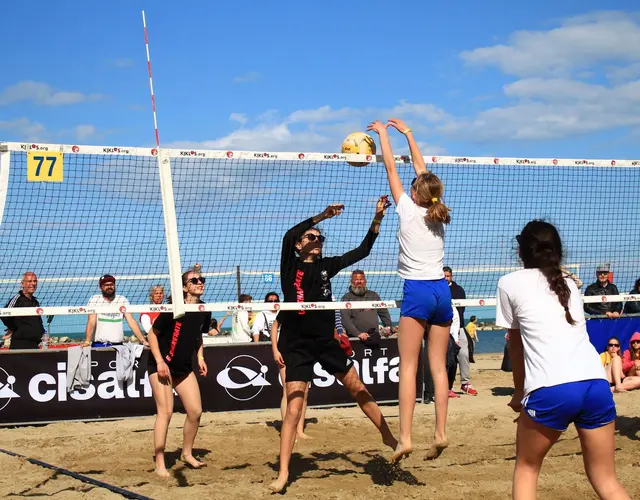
[153, 98]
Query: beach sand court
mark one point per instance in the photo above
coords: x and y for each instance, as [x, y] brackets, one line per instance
[346, 459]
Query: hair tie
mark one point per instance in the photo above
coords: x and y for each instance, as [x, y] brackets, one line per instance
[434, 200]
[566, 308]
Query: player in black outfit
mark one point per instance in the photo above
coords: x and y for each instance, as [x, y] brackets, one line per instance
[173, 343]
[306, 336]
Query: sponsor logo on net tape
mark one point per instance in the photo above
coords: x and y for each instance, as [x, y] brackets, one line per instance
[243, 378]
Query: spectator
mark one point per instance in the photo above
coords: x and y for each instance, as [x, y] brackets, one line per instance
[240, 329]
[463, 361]
[25, 331]
[631, 357]
[363, 323]
[612, 362]
[603, 287]
[156, 296]
[261, 329]
[633, 307]
[457, 292]
[472, 332]
[107, 327]
[453, 348]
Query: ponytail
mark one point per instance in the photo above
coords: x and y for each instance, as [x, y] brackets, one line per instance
[540, 247]
[438, 212]
[429, 189]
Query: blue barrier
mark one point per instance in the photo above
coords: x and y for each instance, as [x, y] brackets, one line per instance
[600, 329]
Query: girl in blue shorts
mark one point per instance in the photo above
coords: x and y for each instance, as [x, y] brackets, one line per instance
[542, 310]
[426, 305]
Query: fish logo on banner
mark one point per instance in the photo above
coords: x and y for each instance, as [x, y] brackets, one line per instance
[243, 378]
[6, 388]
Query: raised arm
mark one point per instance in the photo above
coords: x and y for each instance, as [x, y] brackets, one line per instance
[293, 235]
[336, 264]
[416, 156]
[387, 157]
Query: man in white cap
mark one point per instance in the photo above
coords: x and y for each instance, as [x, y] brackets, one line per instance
[603, 287]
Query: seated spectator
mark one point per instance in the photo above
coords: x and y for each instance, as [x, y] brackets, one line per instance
[603, 287]
[363, 323]
[612, 362]
[633, 307]
[261, 328]
[156, 296]
[631, 357]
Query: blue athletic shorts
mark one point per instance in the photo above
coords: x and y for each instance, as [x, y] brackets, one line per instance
[588, 404]
[427, 299]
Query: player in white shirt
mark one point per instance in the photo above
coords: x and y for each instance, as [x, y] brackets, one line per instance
[557, 372]
[108, 327]
[426, 304]
[261, 328]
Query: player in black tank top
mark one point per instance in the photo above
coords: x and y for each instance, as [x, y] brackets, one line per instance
[173, 343]
[306, 337]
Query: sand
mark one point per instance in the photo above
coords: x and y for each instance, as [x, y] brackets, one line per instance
[345, 458]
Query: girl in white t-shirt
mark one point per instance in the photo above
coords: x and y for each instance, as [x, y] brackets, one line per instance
[542, 310]
[426, 304]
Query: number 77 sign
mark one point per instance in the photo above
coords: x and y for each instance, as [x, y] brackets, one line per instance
[45, 166]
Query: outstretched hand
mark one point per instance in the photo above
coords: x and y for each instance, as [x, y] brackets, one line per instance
[382, 205]
[378, 127]
[332, 210]
[398, 125]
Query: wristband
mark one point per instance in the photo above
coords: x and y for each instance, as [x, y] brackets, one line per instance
[377, 221]
[406, 131]
[201, 358]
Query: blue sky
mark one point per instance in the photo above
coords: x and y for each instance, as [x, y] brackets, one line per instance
[554, 79]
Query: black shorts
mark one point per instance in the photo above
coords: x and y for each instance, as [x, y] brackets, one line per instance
[302, 354]
[175, 371]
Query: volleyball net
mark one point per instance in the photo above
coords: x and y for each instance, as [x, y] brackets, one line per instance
[74, 213]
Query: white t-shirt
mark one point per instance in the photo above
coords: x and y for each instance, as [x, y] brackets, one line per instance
[263, 322]
[455, 325]
[240, 330]
[555, 352]
[109, 326]
[421, 243]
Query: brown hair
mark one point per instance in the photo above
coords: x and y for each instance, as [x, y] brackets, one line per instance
[428, 190]
[541, 248]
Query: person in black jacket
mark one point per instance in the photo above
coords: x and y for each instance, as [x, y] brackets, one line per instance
[633, 307]
[603, 287]
[25, 331]
[307, 336]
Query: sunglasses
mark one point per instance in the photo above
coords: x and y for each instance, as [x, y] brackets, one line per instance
[614, 345]
[314, 237]
[273, 301]
[635, 341]
[195, 281]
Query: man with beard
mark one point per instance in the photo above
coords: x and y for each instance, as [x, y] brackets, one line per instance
[108, 327]
[363, 323]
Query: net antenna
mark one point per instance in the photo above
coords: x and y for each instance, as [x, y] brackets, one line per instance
[168, 204]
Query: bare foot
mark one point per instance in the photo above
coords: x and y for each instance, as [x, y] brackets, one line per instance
[279, 484]
[619, 389]
[190, 460]
[402, 451]
[436, 449]
[162, 472]
[302, 435]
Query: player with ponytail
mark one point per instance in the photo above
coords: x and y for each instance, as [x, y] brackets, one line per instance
[542, 309]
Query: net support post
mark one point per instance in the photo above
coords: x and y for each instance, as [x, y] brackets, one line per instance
[171, 233]
[5, 164]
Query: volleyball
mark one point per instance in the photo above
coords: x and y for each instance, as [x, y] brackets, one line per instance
[358, 143]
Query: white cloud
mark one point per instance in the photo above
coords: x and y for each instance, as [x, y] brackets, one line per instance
[251, 76]
[25, 129]
[42, 94]
[618, 74]
[84, 132]
[580, 42]
[311, 130]
[122, 63]
[238, 117]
